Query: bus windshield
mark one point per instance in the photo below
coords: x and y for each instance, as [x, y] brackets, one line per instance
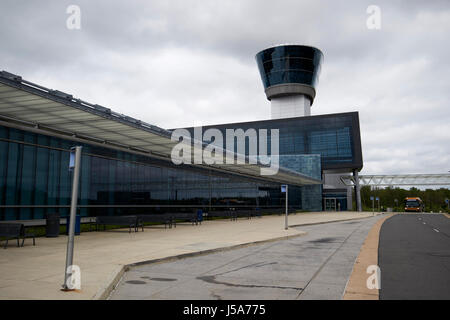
[412, 203]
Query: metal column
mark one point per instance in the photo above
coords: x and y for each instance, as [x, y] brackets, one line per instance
[287, 210]
[73, 212]
[357, 191]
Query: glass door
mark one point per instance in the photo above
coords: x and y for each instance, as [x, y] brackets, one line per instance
[330, 204]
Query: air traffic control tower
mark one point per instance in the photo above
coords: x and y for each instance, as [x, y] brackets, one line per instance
[290, 75]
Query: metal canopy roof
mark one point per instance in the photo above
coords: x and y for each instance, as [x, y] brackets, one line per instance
[399, 180]
[57, 113]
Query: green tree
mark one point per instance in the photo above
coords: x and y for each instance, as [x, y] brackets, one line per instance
[434, 199]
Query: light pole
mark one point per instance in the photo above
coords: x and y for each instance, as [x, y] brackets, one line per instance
[75, 162]
[284, 189]
[286, 218]
[373, 204]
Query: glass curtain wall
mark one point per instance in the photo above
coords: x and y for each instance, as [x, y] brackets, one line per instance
[34, 180]
[334, 137]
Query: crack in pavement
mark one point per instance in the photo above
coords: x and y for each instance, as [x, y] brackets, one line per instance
[212, 279]
[257, 265]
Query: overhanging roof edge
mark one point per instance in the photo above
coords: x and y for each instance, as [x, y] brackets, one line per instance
[284, 175]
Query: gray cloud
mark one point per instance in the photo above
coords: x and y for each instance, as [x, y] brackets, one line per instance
[180, 63]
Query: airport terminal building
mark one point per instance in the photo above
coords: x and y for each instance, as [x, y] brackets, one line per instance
[126, 163]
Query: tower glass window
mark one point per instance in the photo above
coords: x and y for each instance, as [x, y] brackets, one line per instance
[289, 64]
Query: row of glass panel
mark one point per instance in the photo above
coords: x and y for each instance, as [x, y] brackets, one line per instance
[284, 52]
[34, 172]
[275, 77]
[333, 140]
[289, 64]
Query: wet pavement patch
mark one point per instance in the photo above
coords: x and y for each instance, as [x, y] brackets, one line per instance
[440, 254]
[159, 279]
[136, 282]
[163, 279]
[325, 240]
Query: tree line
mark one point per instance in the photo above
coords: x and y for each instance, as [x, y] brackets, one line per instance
[434, 199]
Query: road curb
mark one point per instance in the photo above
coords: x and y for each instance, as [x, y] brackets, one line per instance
[331, 221]
[106, 290]
[356, 287]
[110, 285]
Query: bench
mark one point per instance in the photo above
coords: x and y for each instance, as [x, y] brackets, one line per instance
[241, 214]
[235, 214]
[159, 218]
[220, 214]
[188, 217]
[15, 231]
[132, 222]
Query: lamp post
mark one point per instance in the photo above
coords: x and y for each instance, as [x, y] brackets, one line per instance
[284, 189]
[75, 161]
[373, 204]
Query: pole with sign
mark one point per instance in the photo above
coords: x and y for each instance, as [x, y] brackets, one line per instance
[378, 199]
[284, 188]
[373, 205]
[74, 164]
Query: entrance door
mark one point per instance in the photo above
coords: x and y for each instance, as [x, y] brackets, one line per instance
[330, 204]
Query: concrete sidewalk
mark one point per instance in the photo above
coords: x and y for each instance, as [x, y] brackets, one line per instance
[38, 272]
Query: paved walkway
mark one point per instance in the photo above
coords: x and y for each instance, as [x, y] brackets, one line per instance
[314, 266]
[37, 272]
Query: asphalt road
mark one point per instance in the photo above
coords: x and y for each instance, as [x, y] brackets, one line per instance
[314, 266]
[414, 257]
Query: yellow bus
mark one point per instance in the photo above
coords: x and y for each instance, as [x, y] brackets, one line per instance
[414, 204]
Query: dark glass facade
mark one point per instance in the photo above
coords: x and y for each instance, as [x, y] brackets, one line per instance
[335, 137]
[34, 180]
[289, 64]
[310, 197]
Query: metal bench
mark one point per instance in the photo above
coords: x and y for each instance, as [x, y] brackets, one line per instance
[185, 217]
[220, 214]
[241, 214]
[256, 213]
[132, 222]
[159, 218]
[15, 231]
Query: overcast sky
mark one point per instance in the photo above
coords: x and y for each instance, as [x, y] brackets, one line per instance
[184, 63]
